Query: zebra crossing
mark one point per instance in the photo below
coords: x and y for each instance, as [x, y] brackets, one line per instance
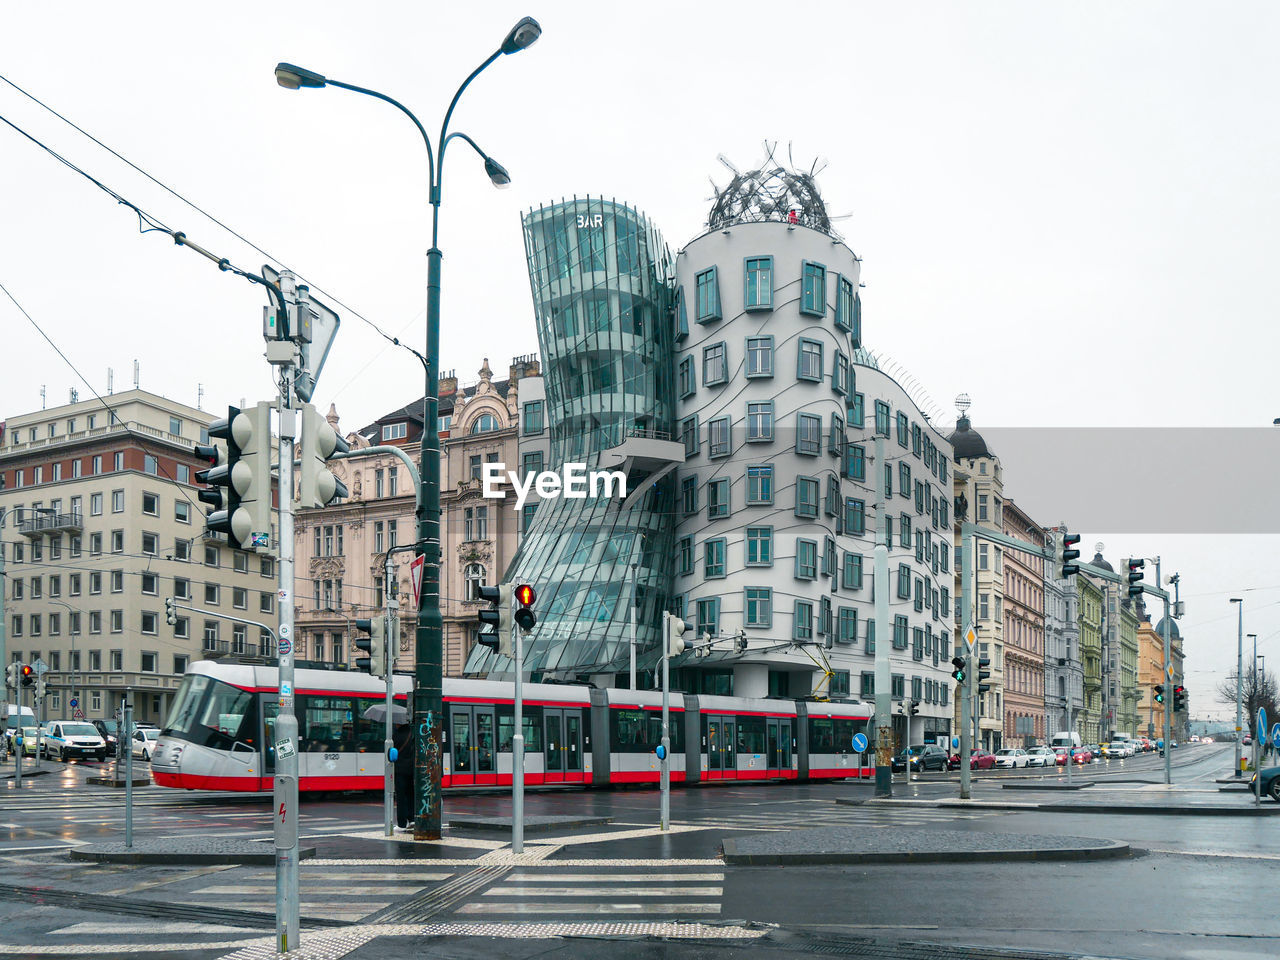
[338, 895]
[864, 816]
[622, 891]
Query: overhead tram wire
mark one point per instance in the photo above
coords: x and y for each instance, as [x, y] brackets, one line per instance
[395, 341]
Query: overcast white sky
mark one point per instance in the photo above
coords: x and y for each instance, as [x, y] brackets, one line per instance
[1034, 188]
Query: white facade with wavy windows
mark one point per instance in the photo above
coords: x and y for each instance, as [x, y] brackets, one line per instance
[778, 408]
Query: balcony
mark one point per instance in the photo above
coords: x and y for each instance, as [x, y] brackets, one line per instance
[50, 523]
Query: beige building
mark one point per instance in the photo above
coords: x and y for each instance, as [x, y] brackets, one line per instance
[341, 548]
[978, 485]
[102, 524]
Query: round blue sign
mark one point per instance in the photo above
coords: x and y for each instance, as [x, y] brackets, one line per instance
[955, 743]
[393, 754]
[859, 743]
[1275, 736]
[1262, 724]
[74, 702]
[661, 751]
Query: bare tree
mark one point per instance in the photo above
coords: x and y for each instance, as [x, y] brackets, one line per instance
[1258, 690]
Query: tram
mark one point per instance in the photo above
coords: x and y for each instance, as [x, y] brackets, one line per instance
[220, 733]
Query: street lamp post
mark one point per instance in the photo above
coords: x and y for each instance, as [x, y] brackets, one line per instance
[428, 713]
[1239, 680]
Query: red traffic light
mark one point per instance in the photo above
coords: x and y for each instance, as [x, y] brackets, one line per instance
[28, 675]
[525, 595]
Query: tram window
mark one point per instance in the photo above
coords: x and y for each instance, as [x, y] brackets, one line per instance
[328, 724]
[370, 734]
[640, 731]
[845, 728]
[821, 735]
[751, 734]
[215, 714]
[532, 732]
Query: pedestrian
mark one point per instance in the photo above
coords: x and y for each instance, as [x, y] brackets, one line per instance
[403, 740]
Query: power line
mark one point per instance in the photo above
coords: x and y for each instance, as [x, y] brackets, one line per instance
[386, 336]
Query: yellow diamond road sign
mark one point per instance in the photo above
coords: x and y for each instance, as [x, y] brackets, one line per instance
[970, 636]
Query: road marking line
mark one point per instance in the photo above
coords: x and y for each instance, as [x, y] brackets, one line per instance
[530, 890]
[381, 890]
[150, 927]
[536, 907]
[609, 877]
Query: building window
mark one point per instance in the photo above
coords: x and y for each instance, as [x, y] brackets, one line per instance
[182, 550]
[809, 366]
[760, 484]
[95, 504]
[847, 625]
[150, 544]
[476, 465]
[758, 603]
[844, 304]
[182, 511]
[718, 437]
[117, 501]
[808, 434]
[150, 465]
[806, 497]
[840, 374]
[149, 626]
[806, 559]
[117, 541]
[689, 495]
[474, 579]
[760, 422]
[533, 419]
[717, 499]
[855, 460]
[475, 523]
[485, 423]
[715, 366]
[713, 560]
[759, 546]
[689, 436]
[240, 598]
[210, 556]
[708, 619]
[803, 621]
[687, 382]
[903, 431]
[882, 418]
[379, 545]
[684, 556]
[395, 431]
[682, 315]
[855, 516]
[813, 296]
[758, 283]
[759, 356]
[151, 584]
[117, 624]
[857, 407]
[708, 296]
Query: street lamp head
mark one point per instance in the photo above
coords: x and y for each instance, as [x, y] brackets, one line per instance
[291, 77]
[1237, 600]
[498, 175]
[523, 34]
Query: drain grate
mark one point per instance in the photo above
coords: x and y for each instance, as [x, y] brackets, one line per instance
[106, 903]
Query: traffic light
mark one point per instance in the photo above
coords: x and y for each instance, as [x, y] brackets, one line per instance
[1159, 693]
[984, 674]
[170, 612]
[958, 673]
[11, 673]
[1179, 698]
[499, 618]
[375, 644]
[524, 615]
[318, 487]
[1135, 577]
[244, 512]
[913, 708]
[676, 629]
[740, 642]
[1067, 554]
[41, 686]
[28, 674]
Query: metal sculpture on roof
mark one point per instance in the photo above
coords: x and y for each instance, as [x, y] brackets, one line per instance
[771, 192]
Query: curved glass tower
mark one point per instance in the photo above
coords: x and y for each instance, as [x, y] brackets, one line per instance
[602, 295]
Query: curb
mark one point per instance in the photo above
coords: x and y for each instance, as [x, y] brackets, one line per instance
[1046, 786]
[112, 782]
[1114, 849]
[531, 824]
[265, 856]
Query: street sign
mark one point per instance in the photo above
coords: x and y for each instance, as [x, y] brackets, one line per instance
[1275, 736]
[78, 715]
[970, 636]
[1262, 724]
[859, 743]
[415, 577]
[40, 667]
[955, 743]
[75, 702]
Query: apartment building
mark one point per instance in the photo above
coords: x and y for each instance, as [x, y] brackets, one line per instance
[103, 523]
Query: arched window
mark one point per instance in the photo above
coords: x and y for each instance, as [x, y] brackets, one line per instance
[473, 577]
[484, 423]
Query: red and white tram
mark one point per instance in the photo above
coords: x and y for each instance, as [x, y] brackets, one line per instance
[220, 733]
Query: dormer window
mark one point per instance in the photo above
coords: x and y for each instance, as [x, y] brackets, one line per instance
[484, 423]
[395, 431]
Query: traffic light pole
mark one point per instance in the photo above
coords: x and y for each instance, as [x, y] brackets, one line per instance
[967, 687]
[1168, 673]
[517, 747]
[664, 764]
[389, 636]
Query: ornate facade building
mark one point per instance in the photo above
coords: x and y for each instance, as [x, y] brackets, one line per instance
[1024, 632]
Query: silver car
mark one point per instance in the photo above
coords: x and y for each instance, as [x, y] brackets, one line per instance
[1041, 757]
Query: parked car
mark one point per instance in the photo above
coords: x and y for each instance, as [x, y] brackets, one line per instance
[921, 757]
[107, 731]
[979, 759]
[1270, 782]
[1013, 757]
[28, 740]
[1093, 752]
[65, 739]
[1041, 757]
[143, 742]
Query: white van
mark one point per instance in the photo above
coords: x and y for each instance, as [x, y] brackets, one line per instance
[1065, 739]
